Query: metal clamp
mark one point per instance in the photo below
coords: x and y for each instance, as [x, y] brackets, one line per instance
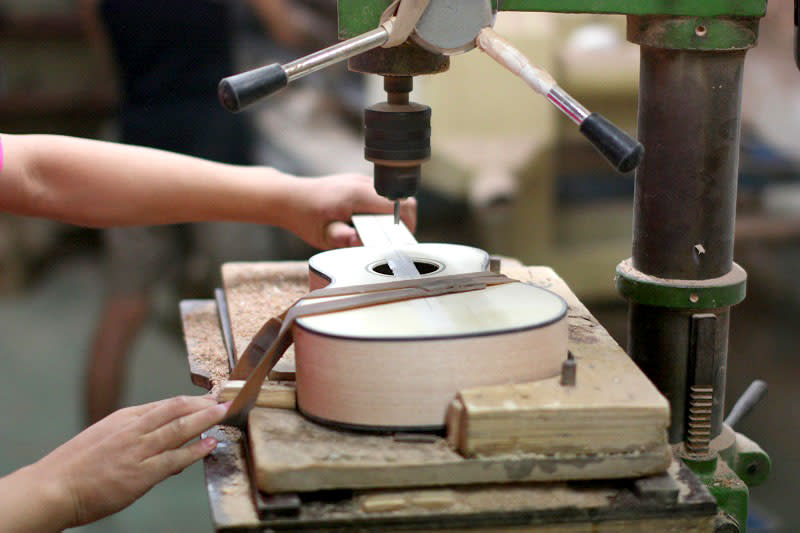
[713, 293]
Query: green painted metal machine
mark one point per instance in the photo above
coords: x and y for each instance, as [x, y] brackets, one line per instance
[681, 280]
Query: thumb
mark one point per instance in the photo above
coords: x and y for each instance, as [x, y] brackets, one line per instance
[340, 235]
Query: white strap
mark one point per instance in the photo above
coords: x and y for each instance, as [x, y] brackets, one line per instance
[504, 53]
[404, 15]
[381, 231]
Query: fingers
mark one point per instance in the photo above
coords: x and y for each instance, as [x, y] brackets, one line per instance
[408, 212]
[170, 455]
[172, 462]
[165, 411]
[183, 429]
[348, 194]
[340, 235]
[373, 203]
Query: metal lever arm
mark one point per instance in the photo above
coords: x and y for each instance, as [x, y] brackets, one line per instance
[754, 393]
[242, 90]
[620, 149]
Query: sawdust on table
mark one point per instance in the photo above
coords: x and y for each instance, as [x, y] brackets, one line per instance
[207, 356]
[259, 291]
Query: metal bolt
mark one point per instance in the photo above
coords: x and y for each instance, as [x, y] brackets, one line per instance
[495, 264]
[569, 371]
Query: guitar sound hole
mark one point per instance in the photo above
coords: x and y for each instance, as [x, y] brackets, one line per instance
[423, 267]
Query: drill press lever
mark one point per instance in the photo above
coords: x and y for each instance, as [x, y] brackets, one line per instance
[622, 151]
[398, 131]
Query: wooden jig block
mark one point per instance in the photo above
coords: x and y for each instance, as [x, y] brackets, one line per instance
[275, 395]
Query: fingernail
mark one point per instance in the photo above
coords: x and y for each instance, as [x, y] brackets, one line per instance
[210, 443]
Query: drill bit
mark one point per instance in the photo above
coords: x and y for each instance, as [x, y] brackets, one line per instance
[397, 211]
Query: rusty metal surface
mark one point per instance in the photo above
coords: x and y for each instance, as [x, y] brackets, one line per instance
[693, 33]
[405, 60]
[689, 120]
[684, 209]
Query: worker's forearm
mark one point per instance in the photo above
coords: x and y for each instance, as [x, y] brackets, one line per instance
[100, 184]
[30, 501]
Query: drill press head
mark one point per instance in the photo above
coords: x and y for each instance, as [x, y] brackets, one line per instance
[397, 132]
[397, 139]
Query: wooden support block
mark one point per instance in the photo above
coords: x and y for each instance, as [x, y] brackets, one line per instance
[275, 395]
[545, 418]
[612, 408]
[293, 454]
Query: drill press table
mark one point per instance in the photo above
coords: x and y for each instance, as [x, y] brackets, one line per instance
[673, 500]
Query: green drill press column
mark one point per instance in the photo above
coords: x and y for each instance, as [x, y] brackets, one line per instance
[359, 16]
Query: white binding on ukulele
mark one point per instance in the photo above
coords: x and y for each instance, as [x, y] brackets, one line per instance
[398, 365]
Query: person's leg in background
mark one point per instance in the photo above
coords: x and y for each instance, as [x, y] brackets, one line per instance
[137, 260]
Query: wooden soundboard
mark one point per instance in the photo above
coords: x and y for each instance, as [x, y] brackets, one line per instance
[611, 424]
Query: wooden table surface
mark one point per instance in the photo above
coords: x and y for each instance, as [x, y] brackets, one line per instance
[257, 291]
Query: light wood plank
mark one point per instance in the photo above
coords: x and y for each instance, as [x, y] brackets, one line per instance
[274, 395]
[612, 408]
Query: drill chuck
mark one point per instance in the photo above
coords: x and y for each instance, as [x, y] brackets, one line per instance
[396, 183]
[398, 141]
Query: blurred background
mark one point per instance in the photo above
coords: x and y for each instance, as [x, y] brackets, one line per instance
[513, 179]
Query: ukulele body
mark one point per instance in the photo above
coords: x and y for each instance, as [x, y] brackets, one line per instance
[397, 366]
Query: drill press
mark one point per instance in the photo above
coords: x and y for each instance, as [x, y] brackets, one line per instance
[681, 280]
[397, 132]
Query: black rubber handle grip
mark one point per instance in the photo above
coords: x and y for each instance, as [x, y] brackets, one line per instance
[622, 151]
[797, 33]
[239, 91]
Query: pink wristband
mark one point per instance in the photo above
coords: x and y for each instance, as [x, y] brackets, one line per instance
[1, 154]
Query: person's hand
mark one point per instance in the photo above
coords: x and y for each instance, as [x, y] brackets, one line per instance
[319, 209]
[285, 24]
[114, 462]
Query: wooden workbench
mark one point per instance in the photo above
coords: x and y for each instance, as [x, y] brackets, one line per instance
[259, 290]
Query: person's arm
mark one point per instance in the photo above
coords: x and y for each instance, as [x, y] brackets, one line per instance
[281, 21]
[100, 184]
[109, 465]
